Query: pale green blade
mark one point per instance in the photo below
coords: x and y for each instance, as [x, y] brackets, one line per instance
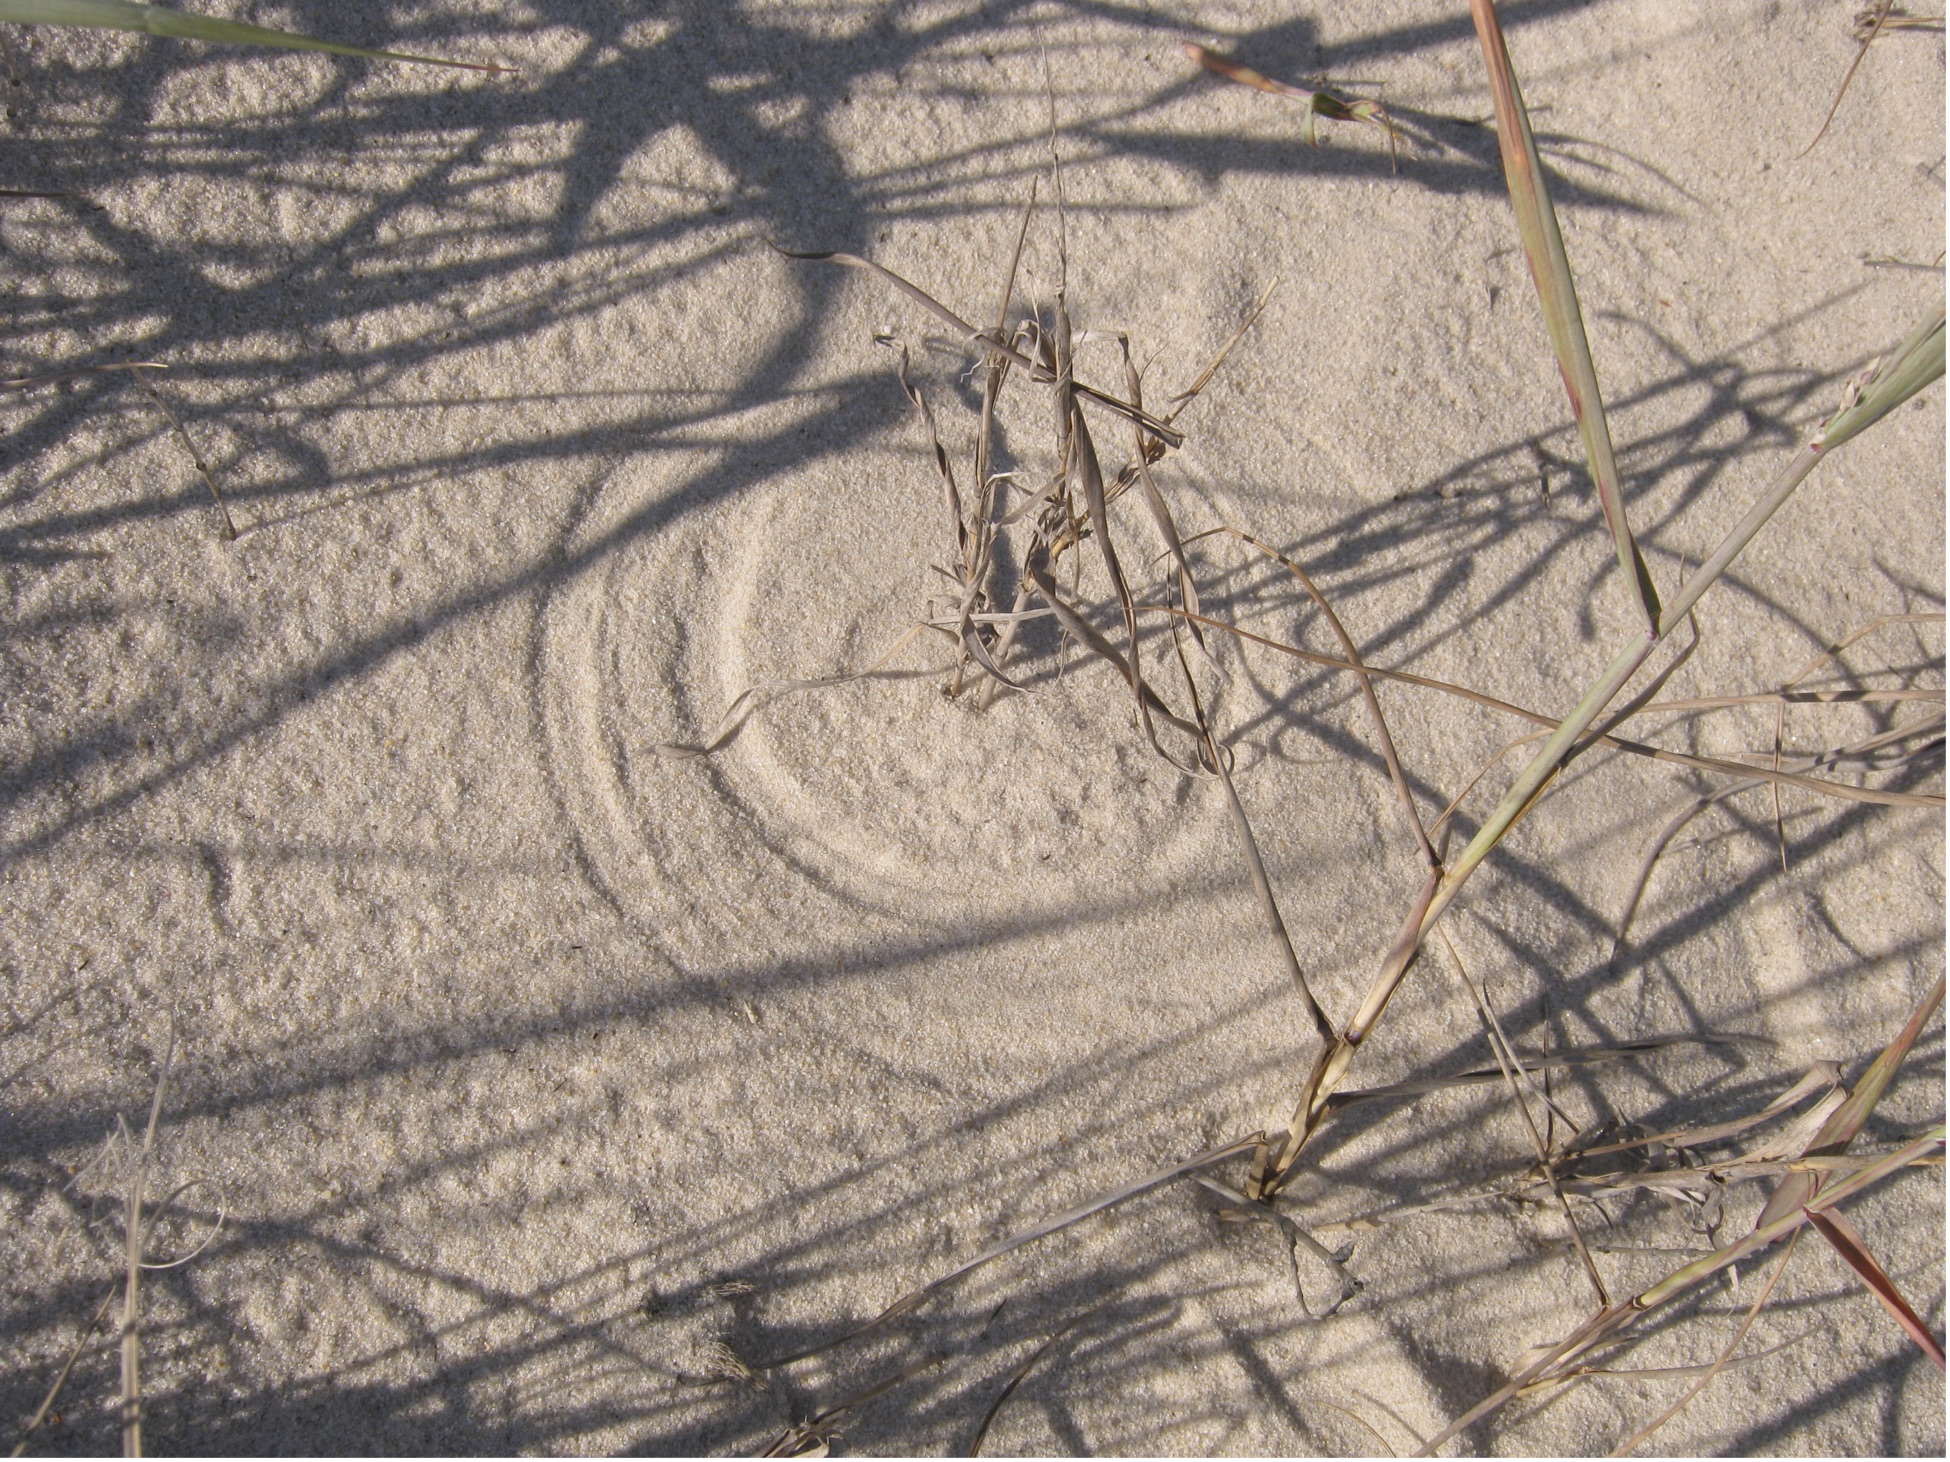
[1888, 384]
[154, 20]
[1550, 269]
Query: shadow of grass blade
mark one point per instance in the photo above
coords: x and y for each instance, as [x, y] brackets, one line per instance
[176, 25]
[1156, 1179]
[1550, 269]
[1916, 363]
[1720, 1363]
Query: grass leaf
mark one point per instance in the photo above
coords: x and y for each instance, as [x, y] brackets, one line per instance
[1849, 1244]
[175, 24]
[1550, 269]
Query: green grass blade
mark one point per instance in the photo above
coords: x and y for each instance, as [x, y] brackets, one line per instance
[1888, 383]
[1550, 270]
[1914, 365]
[175, 24]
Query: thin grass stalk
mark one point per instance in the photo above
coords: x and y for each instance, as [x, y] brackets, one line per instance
[131, 1302]
[1656, 849]
[1512, 1066]
[22, 383]
[993, 380]
[1039, 1230]
[1816, 785]
[1384, 741]
[980, 339]
[196, 457]
[1022, 1372]
[1793, 1204]
[46, 1407]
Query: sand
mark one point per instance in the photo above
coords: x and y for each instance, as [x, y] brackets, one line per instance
[546, 1083]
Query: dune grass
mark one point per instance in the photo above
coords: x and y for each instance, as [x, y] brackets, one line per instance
[1168, 656]
[1065, 508]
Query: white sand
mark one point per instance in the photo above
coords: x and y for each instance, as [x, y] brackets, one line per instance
[509, 1045]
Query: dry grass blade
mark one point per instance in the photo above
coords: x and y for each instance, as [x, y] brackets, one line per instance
[1869, 27]
[1185, 397]
[1383, 740]
[1022, 1372]
[1823, 1076]
[747, 702]
[1260, 1211]
[1917, 363]
[196, 457]
[1720, 1362]
[1092, 639]
[1706, 1181]
[970, 336]
[1854, 637]
[133, 1232]
[1578, 1373]
[1565, 1061]
[1550, 269]
[1080, 459]
[1842, 1236]
[1841, 1128]
[21, 383]
[1794, 1203]
[1550, 725]
[986, 483]
[1029, 1235]
[964, 543]
[1263, 890]
[1610, 1321]
[1788, 774]
[1826, 657]
[46, 1407]
[1154, 501]
[1506, 1060]
[156, 21]
[1314, 103]
[1833, 1139]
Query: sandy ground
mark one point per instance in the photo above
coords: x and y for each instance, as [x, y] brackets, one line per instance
[544, 1081]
